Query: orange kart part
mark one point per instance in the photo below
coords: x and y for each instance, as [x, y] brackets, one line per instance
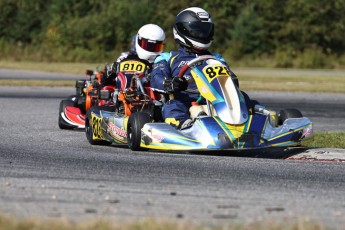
[88, 102]
[92, 91]
[130, 100]
[127, 105]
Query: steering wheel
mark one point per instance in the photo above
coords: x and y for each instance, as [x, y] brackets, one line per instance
[192, 63]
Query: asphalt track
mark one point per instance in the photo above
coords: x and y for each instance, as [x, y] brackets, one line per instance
[50, 173]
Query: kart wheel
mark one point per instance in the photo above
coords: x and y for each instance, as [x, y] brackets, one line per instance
[89, 131]
[249, 103]
[135, 123]
[62, 123]
[288, 113]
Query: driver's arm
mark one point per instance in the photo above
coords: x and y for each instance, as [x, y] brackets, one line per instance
[161, 70]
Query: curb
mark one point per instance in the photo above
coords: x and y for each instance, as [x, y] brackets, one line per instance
[320, 154]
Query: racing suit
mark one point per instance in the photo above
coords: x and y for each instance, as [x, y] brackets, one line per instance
[167, 66]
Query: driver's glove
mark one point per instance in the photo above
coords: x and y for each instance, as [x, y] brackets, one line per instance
[175, 84]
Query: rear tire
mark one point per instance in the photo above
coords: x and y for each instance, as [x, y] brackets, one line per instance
[288, 113]
[135, 123]
[62, 123]
[89, 127]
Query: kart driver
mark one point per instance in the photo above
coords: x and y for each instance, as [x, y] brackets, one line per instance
[145, 46]
[193, 31]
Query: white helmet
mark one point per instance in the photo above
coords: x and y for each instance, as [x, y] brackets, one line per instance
[193, 28]
[149, 42]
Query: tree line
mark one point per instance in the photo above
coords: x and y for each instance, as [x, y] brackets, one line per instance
[288, 33]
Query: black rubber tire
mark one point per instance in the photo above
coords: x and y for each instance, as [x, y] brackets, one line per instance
[288, 113]
[62, 123]
[89, 127]
[71, 97]
[135, 123]
[249, 103]
[247, 100]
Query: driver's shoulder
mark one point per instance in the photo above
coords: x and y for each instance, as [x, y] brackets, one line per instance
[166, 56]
[217, 55]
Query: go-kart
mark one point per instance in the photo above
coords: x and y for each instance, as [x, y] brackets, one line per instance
[72, 110]
[228, 120]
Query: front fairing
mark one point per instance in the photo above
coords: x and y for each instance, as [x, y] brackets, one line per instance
[211, 133]
[215, 85]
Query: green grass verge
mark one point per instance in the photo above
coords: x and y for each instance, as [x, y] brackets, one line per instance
[31, 224]
[328, 140]
[37, 83]
[278, 80]
[58, 67]
[287, 82]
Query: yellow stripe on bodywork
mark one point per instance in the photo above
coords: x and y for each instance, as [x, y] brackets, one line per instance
[236, 130]
[289, 143]
[169, 147]
[203, 88]
[284, 134]
[293, 143]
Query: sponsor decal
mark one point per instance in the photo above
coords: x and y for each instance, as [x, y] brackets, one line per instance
[204, 89]
[157, 137]
[202, 14]
[159, 65]
[182, 63]
[117, 132]
[307, 132]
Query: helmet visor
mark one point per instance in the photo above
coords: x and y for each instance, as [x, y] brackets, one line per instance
[201, 31]
[149, 45]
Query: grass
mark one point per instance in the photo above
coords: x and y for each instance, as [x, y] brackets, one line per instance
[40, 83]
[328, 140]
[7, 223]
[288, 82]
[281, 80]
[61, 67]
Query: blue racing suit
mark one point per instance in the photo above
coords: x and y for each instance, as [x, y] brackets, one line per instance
[167, 66]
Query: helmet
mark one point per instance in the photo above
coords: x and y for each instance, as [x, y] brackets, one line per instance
[193, 28]
[149, 42]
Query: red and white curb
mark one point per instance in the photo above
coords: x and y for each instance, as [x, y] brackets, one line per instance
[324, 155]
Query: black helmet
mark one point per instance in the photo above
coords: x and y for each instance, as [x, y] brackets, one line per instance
[193, 28]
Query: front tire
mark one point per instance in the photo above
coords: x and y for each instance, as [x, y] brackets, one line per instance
[135, 123]
[288, 113]
[63, 104]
